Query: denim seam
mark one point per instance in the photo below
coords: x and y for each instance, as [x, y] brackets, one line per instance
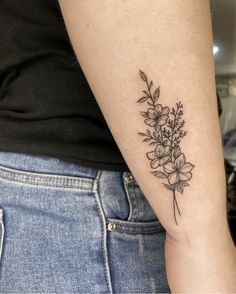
[134, 223]
[128, 198]
[33, 174]
[46, 180]
[136, 227]
[2, 232]
[133, 231]
[132, 199]
[104, 232]
[135, 200]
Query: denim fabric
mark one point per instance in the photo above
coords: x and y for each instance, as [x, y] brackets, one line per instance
[66, 228]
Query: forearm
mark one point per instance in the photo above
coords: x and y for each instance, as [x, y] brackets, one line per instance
[171, 42]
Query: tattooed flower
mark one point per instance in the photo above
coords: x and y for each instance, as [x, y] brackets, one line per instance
[167, 159]
[159, 156]
[157, 116]
[179, 170]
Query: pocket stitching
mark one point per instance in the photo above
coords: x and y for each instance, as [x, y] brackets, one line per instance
[34, 178]
[135, 227]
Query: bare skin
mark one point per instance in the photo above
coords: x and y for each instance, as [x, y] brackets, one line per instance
[171, 42]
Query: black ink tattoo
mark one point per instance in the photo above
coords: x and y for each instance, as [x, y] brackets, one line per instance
[167, 131]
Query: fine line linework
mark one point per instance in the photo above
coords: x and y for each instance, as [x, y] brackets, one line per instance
[165, 132]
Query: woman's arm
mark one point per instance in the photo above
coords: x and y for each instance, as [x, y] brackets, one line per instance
[150, 66]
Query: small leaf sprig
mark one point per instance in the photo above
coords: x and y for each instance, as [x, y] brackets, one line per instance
[165, 132]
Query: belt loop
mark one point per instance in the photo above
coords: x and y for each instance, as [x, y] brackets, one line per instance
[95, 182]
[128, 177]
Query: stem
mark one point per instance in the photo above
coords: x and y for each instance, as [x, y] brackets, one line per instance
[177, 206]
[175, 203]
[149, 90]
[150, 136]
[169, 141]
[162, 140]
[150, 95]
[172, 136]
[174, 206]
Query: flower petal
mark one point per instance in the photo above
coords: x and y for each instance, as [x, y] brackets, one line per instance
[164, 159]
[159, 150]
[151, 155]
[157, 128]
[167, 150]
[179, 162]
[176, 152]
[165, 110]
[162, 120]
[155, 163]
[173, 178]
[150, 122]
[152, 113]
[185, 176]
[158, 108]
[187, 167]
[169, 167]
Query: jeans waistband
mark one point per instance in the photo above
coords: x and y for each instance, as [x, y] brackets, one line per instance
[45, 164]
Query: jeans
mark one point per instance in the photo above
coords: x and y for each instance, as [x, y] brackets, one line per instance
[67, 228]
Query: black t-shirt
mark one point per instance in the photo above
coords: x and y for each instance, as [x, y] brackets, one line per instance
[46, 104]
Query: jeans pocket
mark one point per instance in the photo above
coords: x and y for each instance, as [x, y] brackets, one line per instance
[125, 207]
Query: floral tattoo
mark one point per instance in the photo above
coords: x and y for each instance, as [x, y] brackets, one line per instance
[165, 133]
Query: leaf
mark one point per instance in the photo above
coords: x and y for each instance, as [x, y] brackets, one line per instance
[150, 85]
[185, 183]
[159, 138]
[180, 187]
[156, 94]
[142, 134]
[167, 186]
[176, 152]
[165, 143]
[159, 174]
[144, 113]
[148, 132]
[147, 139]
[143, 76]
[153, 143]
[143, 99]
[146, 93]
[155, 135]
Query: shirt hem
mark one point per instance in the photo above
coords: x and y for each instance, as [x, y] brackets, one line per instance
[6, 146]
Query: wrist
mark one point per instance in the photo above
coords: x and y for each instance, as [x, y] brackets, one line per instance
[206, 267]
[217, 235]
